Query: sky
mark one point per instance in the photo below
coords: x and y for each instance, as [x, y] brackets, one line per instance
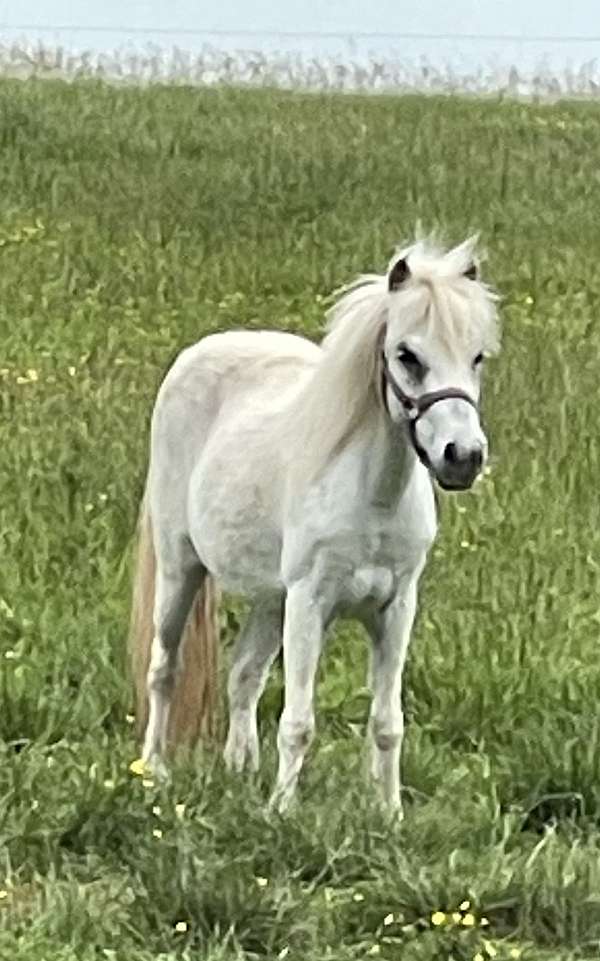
[552, 17]
[521, 18]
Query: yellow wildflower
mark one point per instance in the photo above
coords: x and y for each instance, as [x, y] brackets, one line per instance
[130, 720]
[262, 882]
[139, 767]
[464, 906]
[156, 810]
[181, 927]
[490, 950]
[358, 896]
[438, 918]
[157, 833]
[456, 917]
[469, 921]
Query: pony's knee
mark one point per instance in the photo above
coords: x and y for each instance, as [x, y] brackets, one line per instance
[387, 735]
[161, 681]
[241, 677]
[163, 668]
[296, 735]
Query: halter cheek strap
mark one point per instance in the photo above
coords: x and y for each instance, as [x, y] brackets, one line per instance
[415, 407]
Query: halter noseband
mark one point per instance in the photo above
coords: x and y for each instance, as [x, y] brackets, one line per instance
[415, 407]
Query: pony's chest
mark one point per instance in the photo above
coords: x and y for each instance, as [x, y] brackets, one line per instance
[356, 549]
[369, 582]
[359, 566]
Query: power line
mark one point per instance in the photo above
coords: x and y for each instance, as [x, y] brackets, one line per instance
[298, 34]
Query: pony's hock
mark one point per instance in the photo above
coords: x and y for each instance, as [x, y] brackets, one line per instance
[300, 475]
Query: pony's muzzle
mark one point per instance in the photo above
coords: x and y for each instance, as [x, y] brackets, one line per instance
[460, 467]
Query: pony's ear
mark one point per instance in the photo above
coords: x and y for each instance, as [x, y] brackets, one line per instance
[472, 272]
[399, 274]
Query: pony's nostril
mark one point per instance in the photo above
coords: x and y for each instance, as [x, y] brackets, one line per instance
[451, 453]
[477, 458]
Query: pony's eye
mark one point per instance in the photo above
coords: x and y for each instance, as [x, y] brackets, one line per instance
[408, 359]
[478, 360]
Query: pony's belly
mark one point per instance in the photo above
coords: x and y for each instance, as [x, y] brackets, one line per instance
[233, 531]
[242, 568]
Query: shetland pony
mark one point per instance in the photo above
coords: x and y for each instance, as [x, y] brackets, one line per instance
[302, 476]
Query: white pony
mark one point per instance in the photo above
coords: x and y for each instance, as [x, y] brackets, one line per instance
[301, 476]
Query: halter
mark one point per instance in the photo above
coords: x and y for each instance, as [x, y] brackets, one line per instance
[415, 407]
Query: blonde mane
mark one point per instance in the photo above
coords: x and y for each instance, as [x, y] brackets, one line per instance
[339, 396]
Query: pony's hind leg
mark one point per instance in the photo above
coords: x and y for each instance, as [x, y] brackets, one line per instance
[176, 588]
[255, 651]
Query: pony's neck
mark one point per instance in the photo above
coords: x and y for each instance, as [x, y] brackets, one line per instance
[387, 459]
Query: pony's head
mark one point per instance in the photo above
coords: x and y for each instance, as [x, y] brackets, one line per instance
[440, 324]
[400, 339]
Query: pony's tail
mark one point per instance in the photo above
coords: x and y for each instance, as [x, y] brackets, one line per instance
[194, 702]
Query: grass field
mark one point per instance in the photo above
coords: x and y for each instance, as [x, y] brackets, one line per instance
[132, 222]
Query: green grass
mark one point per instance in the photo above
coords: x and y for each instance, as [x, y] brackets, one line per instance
[133, 222]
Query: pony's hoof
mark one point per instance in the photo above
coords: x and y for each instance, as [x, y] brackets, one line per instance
[152, 767]
[240, 756]
[161, 771]
[280, 802]
[394, 811]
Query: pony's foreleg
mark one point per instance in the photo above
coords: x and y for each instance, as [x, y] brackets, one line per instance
[176, 589]
[391, 636]
[302, 642]
[254, 653]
